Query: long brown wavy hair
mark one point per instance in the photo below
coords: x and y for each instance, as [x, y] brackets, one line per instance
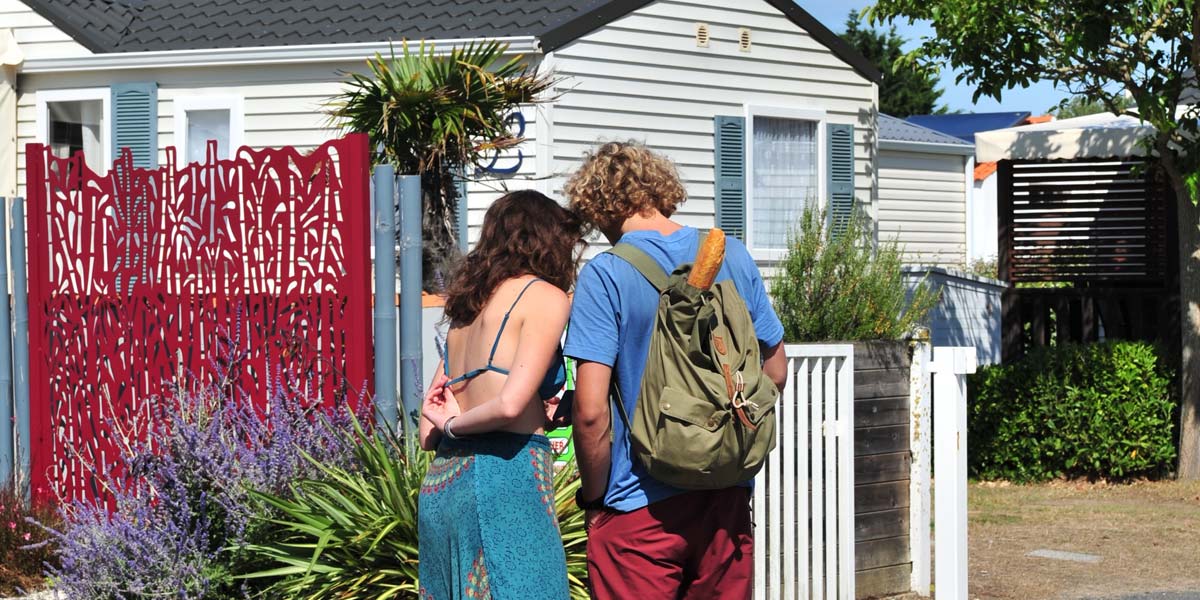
[524, 233]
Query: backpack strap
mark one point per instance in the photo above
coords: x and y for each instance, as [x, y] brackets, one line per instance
[647, 266]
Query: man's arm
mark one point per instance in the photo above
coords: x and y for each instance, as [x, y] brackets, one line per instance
[591, 427]
[775, 365]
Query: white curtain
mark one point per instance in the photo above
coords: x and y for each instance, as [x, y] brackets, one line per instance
[204, 125]
[77, 125]
[784, 178]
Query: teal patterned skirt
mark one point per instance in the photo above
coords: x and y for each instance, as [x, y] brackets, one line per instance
[487, 523]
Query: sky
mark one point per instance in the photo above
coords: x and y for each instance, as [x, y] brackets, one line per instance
[1035, 99]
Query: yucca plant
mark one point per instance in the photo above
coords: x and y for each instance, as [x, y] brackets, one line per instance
[353, 532]
[438, 115]
[570, 526]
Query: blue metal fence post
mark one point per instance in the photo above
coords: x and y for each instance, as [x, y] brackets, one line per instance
[7, 423]
[20, 339]
[387, 411]
[410, 293]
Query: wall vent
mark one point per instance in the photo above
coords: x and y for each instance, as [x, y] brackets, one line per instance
[702, 35]
[744, 39]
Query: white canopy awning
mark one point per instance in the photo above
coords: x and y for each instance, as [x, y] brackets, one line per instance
[1092, 136]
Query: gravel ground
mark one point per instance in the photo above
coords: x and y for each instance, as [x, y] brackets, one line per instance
[1130, 541]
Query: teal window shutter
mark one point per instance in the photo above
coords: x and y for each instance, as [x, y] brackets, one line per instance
[135, 122]
[840, 176]
[460, 213]
[729, 164]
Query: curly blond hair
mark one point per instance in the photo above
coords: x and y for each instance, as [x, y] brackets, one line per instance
[621, 179]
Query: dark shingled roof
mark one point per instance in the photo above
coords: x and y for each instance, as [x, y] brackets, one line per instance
[107, 26]
[899, 130]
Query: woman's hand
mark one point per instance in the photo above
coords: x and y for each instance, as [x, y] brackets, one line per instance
[558, 411]
[430, 432]
[439, 405]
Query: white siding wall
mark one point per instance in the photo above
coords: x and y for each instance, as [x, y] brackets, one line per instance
[984, 226]
[36, 36]
[283, 105]
[923, 204]
[643, 77]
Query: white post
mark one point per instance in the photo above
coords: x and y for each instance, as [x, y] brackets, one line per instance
[921, 438]
[950, 367]
[845, 466]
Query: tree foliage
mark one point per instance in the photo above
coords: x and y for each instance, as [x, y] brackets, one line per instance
[1102, 51]
[908, 88]
[437, 115]
[1098, 50]
[1079, 106]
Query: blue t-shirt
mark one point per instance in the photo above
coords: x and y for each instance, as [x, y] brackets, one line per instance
[612, 318]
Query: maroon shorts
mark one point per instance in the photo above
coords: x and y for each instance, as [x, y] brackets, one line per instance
[697, 545]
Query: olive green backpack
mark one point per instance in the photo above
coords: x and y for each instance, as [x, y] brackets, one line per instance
[705, 415]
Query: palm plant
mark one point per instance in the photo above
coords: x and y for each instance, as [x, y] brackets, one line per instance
[438, 116]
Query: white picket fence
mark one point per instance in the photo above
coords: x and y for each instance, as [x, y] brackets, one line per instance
[804, 496]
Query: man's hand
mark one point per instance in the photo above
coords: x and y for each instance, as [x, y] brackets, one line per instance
[589, 517]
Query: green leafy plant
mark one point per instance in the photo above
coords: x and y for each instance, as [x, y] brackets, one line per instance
[1099, 411]
[984, 267]
[437, 115]
[353, 532]
[26, 547]
[839, 287]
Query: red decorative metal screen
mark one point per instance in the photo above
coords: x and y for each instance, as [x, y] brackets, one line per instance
[134, 275]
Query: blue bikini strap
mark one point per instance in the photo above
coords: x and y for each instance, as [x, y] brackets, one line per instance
[476, 372]
[504, 323]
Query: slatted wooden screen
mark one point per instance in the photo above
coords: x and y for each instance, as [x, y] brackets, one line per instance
[1084, 221]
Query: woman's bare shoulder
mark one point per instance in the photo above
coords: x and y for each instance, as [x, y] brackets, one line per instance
[543, 298]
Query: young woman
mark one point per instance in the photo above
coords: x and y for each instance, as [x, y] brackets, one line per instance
[487, 522]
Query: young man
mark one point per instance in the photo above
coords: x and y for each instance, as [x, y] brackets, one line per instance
[647, 540]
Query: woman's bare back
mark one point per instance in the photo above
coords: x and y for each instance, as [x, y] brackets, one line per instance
[468, 348]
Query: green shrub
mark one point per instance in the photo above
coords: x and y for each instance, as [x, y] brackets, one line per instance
[1098, 411]
[25, 546]
[353, 533]
[840, 288]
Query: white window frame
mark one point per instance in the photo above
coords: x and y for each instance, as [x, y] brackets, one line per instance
[237, 121]
[103, 94]
[815, 115]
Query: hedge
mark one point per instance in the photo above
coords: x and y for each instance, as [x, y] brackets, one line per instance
[1097, 411]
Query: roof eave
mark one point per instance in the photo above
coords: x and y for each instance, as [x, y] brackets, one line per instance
[248, 56]
[840, 47]
[608, 12]
[927, 147]
[573, 29]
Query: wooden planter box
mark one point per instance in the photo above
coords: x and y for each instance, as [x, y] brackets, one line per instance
[882, 463]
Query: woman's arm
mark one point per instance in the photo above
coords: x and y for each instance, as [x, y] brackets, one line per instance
[429, 433]
[544, 315]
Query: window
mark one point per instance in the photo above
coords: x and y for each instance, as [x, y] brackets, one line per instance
[71, 121]
[786, 174]
[199, 119]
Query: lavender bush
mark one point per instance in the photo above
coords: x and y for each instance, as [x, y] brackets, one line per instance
[178, 509]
